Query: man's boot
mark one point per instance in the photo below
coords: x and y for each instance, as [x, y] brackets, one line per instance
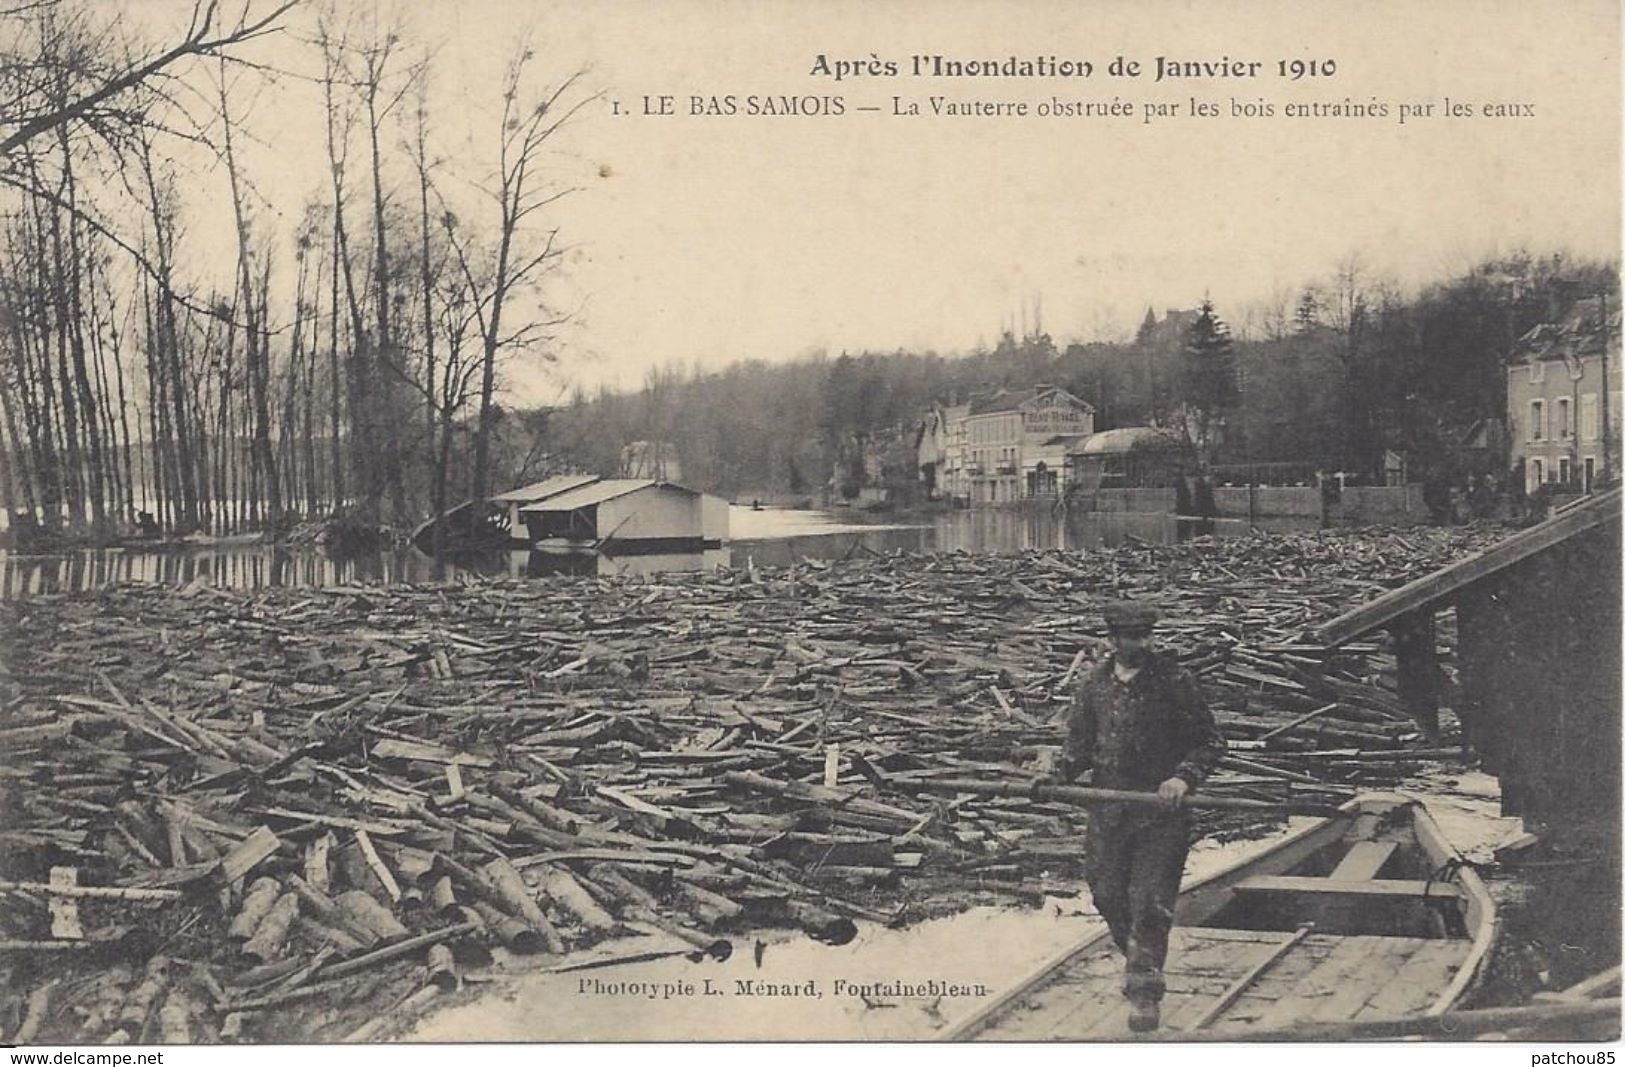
[1144, 1015]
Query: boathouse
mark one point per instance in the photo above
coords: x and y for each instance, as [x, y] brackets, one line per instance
[513, 500]
[634, 514]
[1538, 658]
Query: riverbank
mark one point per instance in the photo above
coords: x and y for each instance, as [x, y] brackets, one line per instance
[409, 778]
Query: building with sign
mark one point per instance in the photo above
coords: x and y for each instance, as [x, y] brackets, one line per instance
[1013, 443]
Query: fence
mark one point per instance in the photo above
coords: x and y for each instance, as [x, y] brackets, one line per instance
[1374, 505]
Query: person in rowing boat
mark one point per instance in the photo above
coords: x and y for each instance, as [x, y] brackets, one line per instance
[1138, 722]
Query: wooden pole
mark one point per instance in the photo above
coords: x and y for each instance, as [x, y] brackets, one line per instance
[1083, 795]
[1299, 721]
[1241, 984]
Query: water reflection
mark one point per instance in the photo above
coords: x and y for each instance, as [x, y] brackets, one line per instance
[777, 539]
[527, 564]
[250, 566]
[238, 566]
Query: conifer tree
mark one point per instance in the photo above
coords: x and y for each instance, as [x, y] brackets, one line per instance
[1208, 378]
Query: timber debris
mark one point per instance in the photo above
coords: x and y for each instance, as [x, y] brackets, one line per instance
[238, 815]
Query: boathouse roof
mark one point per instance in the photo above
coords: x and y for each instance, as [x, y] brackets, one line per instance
[598, 492]
[529, 494]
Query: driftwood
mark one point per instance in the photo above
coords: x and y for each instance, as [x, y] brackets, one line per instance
[795, 741]
[272, 931]
[256, 905]
[362, 910]
[562, 890]
[96, 892]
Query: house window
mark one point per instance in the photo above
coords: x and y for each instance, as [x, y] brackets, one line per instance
[1537, 475]
[1590, 472]
[1537, 372]
[1563, 470]
[1588, 416]
[1537, 420]
[1565, 426]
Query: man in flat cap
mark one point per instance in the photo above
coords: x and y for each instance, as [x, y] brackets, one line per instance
[1139, 722]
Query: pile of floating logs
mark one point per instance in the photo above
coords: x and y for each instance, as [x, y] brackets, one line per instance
[273, 814]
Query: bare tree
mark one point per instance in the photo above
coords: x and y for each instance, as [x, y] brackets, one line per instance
[68, 44]
[256, 357]
[521, 191]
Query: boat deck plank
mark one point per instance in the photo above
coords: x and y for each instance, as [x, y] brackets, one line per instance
[1364, 859]
[1415, 985]
[1348, 962]
[1359, 958]
[1086, 1000]
[1325, 978]
[1375, 970]
[1284, 981]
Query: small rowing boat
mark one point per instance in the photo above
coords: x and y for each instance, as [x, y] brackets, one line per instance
[1366, 914]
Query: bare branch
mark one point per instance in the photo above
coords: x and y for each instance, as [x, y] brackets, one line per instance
[197, 42]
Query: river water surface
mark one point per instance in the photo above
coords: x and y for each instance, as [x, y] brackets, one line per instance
[766, 537]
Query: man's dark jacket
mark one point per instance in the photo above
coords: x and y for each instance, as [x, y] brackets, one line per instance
[1137, 734]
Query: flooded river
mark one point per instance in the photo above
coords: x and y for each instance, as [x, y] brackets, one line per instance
[768, 537]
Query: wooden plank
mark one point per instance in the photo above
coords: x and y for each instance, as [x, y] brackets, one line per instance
[1069, 1020]
[1067, 1004]
[1086, 1002]
[1222, 933]
[1345, 964]
[248, 854]
[1363, 861]
[1246, 979]
[1220, 957]
[1416, 983]
[1371, 888]
[1430, 589]
[1385, 956]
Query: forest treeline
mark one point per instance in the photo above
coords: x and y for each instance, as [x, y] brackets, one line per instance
[346, 362]
[1331, 376]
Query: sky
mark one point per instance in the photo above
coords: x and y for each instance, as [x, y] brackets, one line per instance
[700, 240]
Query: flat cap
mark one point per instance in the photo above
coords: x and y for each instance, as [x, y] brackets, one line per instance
[1129, 615]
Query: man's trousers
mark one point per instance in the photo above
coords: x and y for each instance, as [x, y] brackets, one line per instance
[1134, 859]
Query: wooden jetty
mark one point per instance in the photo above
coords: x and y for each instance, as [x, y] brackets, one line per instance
[1366, 915]
[1537, 628]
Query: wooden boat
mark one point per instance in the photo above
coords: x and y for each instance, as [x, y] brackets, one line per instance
[1369, 914]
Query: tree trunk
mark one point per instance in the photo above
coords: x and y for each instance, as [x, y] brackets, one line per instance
[256, 358]
[388, 362]
[75, 311]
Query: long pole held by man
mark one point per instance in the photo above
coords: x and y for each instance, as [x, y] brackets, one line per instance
[1137, 721]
